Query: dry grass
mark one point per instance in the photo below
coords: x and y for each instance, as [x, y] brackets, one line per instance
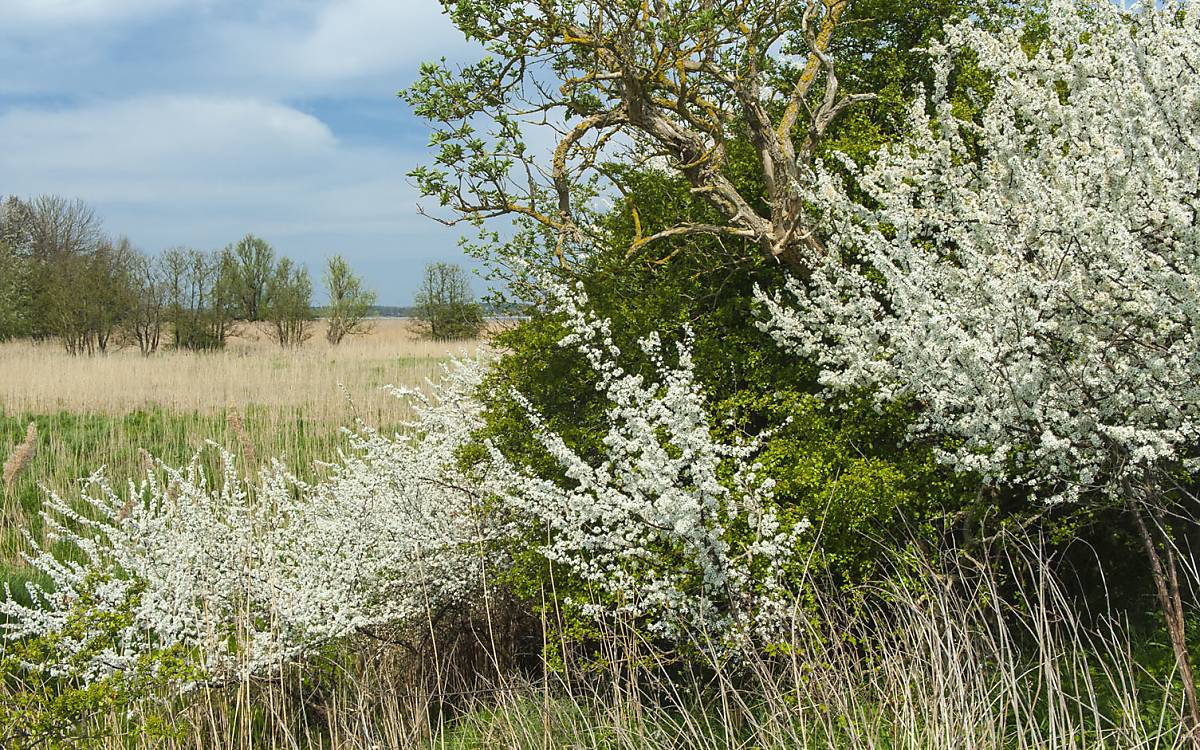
[938, 663]
[21, 456]
[251, 372]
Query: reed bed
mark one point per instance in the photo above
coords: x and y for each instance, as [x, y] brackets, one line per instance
[41, 378]
[936, 663]
[930, 659]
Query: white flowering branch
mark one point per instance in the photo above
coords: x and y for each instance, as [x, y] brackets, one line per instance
[652, 524]
[1032, 279]
[252, 576]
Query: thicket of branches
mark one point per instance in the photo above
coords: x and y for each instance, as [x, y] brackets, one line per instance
[445, 307]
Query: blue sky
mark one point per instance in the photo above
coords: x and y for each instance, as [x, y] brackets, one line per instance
[193, 122]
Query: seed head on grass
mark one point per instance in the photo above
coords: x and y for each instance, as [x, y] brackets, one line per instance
[237, 426]
[21, 456]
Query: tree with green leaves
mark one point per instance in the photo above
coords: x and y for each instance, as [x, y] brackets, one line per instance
[91, 295]
[54, 235]
[349, 302]
[15, 298]
[446, 308]
[735, 98]
[251, 265]
[669, 112]
[288, 303]
[200, 306]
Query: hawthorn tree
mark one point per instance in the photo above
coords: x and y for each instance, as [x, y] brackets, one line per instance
[1031, 276]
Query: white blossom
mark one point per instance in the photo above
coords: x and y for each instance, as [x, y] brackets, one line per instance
[652, 523]
[1030, 277]
[250, 575]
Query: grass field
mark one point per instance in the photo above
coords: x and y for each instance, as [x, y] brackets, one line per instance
[109, 411]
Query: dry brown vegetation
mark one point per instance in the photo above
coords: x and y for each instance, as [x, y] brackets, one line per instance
[253, 371]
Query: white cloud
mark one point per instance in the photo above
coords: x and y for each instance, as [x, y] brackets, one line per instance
[333, 47]
[156, 134]
[298, 48]
[359, 37]
[173, 118]
[57, 13]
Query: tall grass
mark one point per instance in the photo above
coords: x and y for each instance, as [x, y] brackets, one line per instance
[42, 378]
[975, 655]
[939, 662]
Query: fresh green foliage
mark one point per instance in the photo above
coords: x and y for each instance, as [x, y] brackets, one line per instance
[200, 302]
[349, 303]
[288, 307]
[41, 708]
[14, 293]
[445, 306]
[250, 265]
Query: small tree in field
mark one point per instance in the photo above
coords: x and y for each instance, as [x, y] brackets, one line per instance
[349, 303]
[251, 262]
[289, 303]
[149, 309]
[1031, 277]
[199, 306]
[446, 307]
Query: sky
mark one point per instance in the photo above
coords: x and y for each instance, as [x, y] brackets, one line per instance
[195, 122]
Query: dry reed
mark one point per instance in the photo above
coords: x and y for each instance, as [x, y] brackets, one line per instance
[233, 418]
[118, 410]
[939, 662]
[21, 457]
[41, 378]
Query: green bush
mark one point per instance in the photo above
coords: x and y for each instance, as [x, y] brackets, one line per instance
[44, 703]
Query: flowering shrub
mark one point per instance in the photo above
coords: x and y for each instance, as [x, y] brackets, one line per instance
[1031, 277]
[655, 525]
[58, 702]
[249, 575]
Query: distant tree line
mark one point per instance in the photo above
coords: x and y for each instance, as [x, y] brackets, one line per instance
[62, 277]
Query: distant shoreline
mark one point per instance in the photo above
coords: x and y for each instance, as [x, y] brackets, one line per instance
[505, 318]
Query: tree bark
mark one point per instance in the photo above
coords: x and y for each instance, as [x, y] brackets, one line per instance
[1166, 586]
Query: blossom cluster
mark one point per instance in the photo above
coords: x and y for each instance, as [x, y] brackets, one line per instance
[652, 523]
[249, 575]
[1030, 276]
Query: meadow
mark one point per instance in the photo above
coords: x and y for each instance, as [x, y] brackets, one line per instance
[114, 412]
